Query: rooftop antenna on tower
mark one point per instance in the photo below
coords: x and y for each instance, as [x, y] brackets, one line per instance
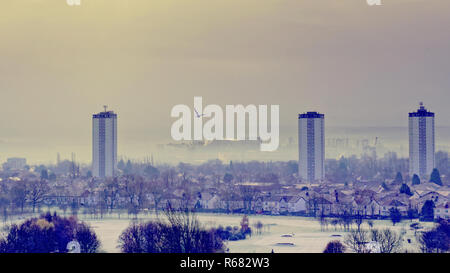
[421, 105]
[105, 106]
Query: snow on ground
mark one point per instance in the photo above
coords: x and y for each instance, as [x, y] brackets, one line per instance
[303, 233]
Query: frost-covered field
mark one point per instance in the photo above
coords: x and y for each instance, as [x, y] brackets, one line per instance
[305, 233]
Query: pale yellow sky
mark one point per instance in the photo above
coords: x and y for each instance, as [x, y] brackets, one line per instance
[360, 65]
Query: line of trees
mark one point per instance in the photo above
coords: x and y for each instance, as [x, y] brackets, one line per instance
[436, 240]
[19, 194]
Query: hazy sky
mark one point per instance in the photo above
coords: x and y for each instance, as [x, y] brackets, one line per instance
[360, 65]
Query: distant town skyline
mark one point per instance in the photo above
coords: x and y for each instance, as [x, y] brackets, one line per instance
[362, 66]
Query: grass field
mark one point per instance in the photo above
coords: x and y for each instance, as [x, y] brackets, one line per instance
[305, 233]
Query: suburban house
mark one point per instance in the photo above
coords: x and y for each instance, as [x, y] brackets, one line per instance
[272, 204]
[319, 206]
[209, 200]
[442, 211]
[388, 204]
[374, 208]
[297, 204]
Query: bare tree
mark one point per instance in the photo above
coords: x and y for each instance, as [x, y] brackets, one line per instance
[356, 240]
[4, 203]
[248, 194]
[157, 191]
[185, 170]
[185, 229]
[141, 188]
[323, 222]
[345, 220]
[168, 177]
[110, 193]
[334, 222]
[228, 194]
[358, 219]
[36, 192]
[180, 232]
[129, 189]
[388, 241]
[19, 193]
[259, 226]
[313, 205]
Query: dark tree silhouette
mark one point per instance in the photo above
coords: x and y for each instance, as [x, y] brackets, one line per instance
[358, 219]
[398, 178]
[436, 177]
[227, 178]
[395, 215]
[427, 212]
[412, 213]
[406, 190]
[415, 179]
[334, 247]
[436, 240]
[48, 234]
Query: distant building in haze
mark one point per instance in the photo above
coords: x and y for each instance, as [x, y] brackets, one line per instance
[421, 142]
[15, 163]
[104, 144]
[311, 146]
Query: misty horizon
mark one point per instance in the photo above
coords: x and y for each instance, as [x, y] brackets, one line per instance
[390, 138]
[361, 66]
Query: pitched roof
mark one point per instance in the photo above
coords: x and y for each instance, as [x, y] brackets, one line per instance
[320, 201]
[443, 205]
[396, 203]
[295, 199]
